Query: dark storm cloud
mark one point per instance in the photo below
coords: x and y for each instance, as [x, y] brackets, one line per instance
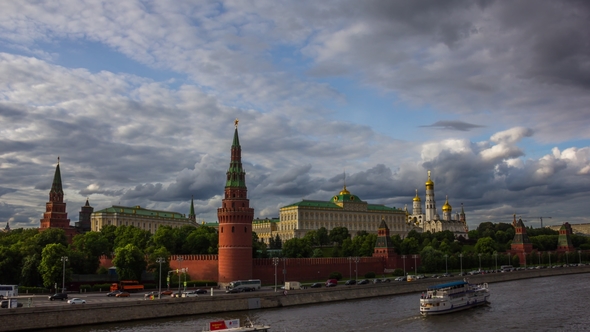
[4, 190]
[453, 125]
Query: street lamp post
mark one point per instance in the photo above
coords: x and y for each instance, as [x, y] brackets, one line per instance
[64, 259]
[567, 253]
[461, 260]
[160, 260]
[415, 264]
[539, 253]
[549, 254]
[350, 267]
[446, 265]
[179, 259]
[356, 267]
[275, 262]
[404, 259]
[479, 261]
[580, 257]
[524, 254]
[496, 259]
[185, 272]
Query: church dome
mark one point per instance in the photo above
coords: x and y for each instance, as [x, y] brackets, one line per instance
[447, 207]
[416, 199]
[429, 183]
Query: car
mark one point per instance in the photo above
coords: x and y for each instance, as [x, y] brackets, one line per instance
[402, 278]
[250, 289]
[190, 294]
[446, 275]
[76, 300]
[114, 293]
[331, 284]
[316, 285]
[58, 296]
[123, 294]
[4, 304]
[201, 291]
[376, 281]
[233, 290]
[363, 282]
[176, 294]
[150, 294]
[386, 280]
[350, 282]
[167, 292]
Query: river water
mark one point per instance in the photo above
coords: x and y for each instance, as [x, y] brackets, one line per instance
[557, 303]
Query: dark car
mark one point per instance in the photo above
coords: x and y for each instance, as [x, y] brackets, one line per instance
[114, 293]
[167, 292]
[316, 285]
[350, 282]
[386, 280]
[234, 290]
[249, 289]
[363, 282]
[58, 296]
[331, 284]
[201, 291]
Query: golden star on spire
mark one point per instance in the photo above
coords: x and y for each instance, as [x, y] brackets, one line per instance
[236, 122]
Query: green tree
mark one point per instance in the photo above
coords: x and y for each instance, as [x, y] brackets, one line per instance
[339, 234]
[154, 267]
[130, 262]
[485, 245]
[108, 232]
[258, 247]
[312, 238]
[132, 235]
[410, 246]
[51, 267]
[431, 260]
[297, 248]
[323, 237]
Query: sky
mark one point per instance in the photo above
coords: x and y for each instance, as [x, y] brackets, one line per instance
[138, 100]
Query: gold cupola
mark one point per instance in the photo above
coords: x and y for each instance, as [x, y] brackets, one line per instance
[417, 199]
[344, 191]
[447, 207]
[429, 183]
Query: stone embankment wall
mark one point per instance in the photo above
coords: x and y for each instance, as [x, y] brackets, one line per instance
[19, 319]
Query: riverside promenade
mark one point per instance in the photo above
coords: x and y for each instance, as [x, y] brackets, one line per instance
[36, 318]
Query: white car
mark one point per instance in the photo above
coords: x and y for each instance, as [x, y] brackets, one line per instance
[76, 301]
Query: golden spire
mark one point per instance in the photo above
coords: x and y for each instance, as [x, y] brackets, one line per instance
[429, 183]
[236, 122]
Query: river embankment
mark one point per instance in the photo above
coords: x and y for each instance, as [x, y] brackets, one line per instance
[36, 318]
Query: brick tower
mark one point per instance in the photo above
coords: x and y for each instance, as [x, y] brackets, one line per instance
[55, 215]
[521, 245]
[564, 242]
[235, 222]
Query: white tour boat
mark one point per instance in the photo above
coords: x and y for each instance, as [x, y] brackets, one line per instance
[233, 325]
[453, 296]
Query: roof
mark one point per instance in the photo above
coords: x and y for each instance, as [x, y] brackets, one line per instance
[331, 205]
[449, 284]
[139, 211]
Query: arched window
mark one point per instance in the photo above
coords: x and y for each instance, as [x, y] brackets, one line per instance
[221, 229]
[232, 229]
[245, 229]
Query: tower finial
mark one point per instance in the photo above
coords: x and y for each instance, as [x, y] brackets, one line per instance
[58, 160]
[236, 122]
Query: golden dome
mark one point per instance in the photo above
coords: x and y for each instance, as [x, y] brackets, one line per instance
[344, 191]
[447, 206]
[417, 199]
[429, 183]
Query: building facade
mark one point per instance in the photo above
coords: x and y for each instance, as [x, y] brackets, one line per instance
[430, 221]
[342, 210]
[139, 217]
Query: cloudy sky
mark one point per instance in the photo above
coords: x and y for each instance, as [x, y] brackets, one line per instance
[138, 98]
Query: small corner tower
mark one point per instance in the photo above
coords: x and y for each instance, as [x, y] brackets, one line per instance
[383, 245]
[235, 221]
[564, 241]
[83, 224]
[521, 244]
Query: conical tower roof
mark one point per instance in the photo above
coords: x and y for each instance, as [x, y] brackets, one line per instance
[236, 177]
[56, 186]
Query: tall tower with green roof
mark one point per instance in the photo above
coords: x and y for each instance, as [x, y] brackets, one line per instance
[235, 221]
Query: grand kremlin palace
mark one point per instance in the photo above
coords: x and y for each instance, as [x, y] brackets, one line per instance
[343, 210]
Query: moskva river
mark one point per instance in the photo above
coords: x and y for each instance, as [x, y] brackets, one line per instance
[542, 304]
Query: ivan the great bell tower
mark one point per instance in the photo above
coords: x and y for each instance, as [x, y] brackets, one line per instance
[235, 222]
